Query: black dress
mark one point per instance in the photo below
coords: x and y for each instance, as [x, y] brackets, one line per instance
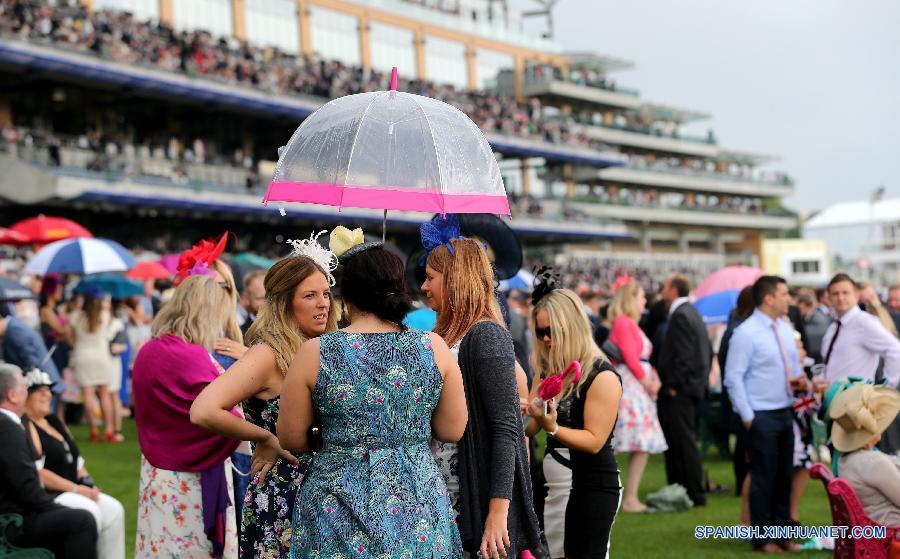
[60, 456]
[596, 488]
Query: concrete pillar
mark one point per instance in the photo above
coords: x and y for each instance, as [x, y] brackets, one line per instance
[419, 47]
[718, 244]
[526, 176]
[5, 112]
[646, 244]
[471, 68]
[239, 19]
[683, 245]
[518, 77]
[166, 12]
[304, 28]
[570, 182]
[365, 43]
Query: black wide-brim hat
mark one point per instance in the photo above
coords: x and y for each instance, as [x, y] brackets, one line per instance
[502, 240]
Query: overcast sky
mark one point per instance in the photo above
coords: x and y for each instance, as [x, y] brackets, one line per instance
[816, 82]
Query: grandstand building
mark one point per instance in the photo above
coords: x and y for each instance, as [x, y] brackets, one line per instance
[134, 110]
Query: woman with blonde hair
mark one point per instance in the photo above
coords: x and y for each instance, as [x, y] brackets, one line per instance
[184, 508]
[637, 428]
[489, 466]
[579, 425]
[93, 329]
[298, 307]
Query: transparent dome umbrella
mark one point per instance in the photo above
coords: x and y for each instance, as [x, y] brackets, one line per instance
[390, 150]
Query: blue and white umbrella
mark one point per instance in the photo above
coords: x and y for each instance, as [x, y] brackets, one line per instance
[80, 256]
[523, 281]
[717, 307]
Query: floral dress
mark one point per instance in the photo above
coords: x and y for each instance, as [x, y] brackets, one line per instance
[637, 427]
[374, 491]
[266, 515]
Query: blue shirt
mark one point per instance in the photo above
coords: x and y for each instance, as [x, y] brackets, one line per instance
[755, 371]
[24, 347]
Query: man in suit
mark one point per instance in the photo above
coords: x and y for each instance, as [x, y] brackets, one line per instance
[816, 320]
[69, 533]
[684, 363]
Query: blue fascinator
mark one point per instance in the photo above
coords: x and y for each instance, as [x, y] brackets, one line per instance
[439, 232]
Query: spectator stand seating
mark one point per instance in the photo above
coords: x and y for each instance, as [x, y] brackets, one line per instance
[9, 551]
[847, 510]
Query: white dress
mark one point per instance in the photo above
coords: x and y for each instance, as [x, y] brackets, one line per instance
[91, 359]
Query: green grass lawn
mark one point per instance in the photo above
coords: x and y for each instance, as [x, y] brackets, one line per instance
[116, 469]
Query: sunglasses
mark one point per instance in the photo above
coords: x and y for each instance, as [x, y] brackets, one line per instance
[542, 333]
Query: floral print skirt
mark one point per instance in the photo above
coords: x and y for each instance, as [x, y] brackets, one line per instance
[637, 427]
[268, 511]
[170, 516]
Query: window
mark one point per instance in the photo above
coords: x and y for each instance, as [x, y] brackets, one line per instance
[805, 267]
[213, 16]
[273, 22]
[141, 9]
[392, 46]
[445, 61]
[335, 35]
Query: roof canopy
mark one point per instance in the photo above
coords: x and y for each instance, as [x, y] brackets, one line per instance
[860, 212]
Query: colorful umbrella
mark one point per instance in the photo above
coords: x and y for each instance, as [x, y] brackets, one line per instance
[523, 281]
[10, 237]
[390, 150]
[717, 307]
[170, 263]
[116, 285]
[44, 229]
[80, 256]
[148, 270]
[253, 260]
[730, 277]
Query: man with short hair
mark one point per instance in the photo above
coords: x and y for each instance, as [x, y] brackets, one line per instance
[69, 533]
[893, 301]
[253, 297]
[856, 340]
[816, 320]
[684, 363]
[762, 370]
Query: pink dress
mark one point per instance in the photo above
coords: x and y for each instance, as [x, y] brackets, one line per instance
[637, 427]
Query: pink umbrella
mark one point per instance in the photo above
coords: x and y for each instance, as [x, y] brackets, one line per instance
[728, 278]
[170, 262]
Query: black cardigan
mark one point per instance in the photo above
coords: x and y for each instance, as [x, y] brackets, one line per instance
[492, 458]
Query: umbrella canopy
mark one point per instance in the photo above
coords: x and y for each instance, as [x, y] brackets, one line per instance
[717, 307]
[170, 263]
[390, 150]
[11, 290]
[80, 256]
[730, 277]
[253, 260]
[115, 285]
[45, 229]
[10, 237]
[148, 270]
[523, 281]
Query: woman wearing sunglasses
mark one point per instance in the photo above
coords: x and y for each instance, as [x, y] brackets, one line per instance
[489, 467]
[580, 466]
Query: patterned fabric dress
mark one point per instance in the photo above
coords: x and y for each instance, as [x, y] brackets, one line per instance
[375, 490]
[637, 427]
[266, 516]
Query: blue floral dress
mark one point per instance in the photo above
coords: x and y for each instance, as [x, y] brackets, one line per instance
[266, 516]
[374, 490]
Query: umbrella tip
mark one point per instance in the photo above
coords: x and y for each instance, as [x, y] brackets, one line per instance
[394, 78]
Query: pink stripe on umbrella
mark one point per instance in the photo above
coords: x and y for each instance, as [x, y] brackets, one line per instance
[730, 277]
[385, 198]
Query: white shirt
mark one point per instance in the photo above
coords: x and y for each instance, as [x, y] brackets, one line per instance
[677, 303]
[861, 341]
[11, 415]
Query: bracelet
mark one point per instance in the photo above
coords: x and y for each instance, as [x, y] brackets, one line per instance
[554, 431]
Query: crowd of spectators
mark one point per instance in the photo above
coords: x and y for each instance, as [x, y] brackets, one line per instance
[654, 198]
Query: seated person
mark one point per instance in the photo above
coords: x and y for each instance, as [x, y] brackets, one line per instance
[861, 414]
[69, 533]
[61, 468]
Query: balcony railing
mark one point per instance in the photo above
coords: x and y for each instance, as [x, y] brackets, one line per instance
[782, 180]
[612, 87]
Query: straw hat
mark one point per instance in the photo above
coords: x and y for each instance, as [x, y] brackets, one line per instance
[861, 413]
